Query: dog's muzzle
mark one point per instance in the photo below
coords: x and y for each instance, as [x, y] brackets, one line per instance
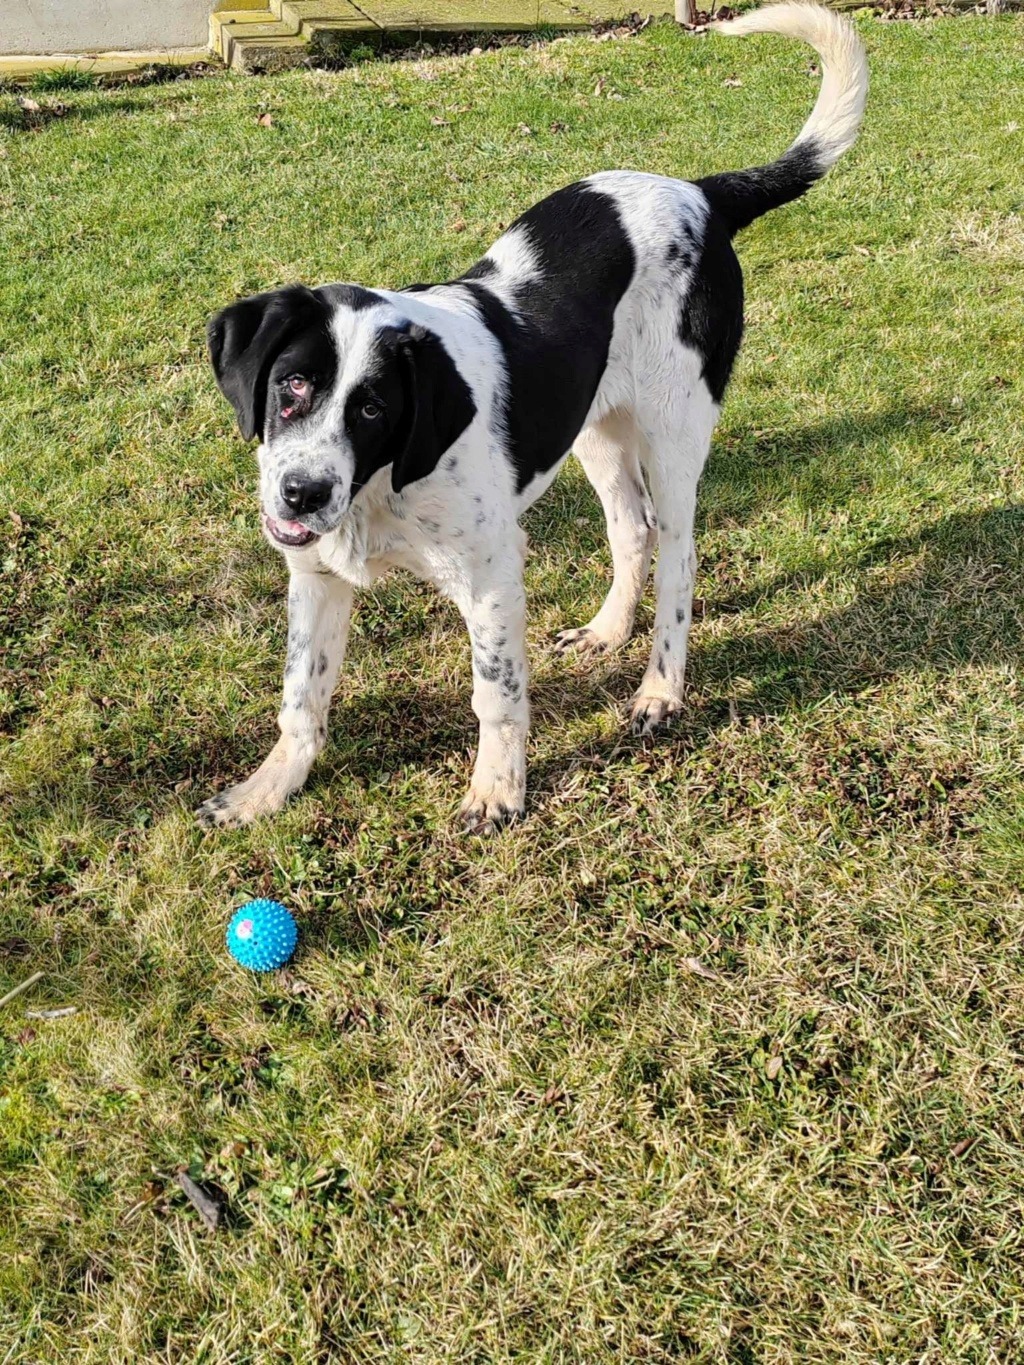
[291, 534]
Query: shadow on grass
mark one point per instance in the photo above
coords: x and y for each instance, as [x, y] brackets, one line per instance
[52, 109]
[957, 601]
[938, 600]
[750, 471]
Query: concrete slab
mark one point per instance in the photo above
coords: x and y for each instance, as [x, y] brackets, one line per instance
[471, 16]
[338, 14]
[620, 9]
[252, 28]
[23, 68]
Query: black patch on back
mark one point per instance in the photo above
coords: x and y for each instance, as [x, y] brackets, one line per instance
[738, 197]
[351, 296]
[711, 320]
[556, 336]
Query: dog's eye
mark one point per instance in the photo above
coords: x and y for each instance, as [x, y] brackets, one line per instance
[371, 411]
[301, 389]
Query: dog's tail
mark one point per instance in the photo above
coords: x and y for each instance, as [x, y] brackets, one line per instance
[741, 196]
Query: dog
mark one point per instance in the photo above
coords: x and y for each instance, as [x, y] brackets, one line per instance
[412, 428]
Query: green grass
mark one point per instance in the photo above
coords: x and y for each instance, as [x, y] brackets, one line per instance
[720, 1055]
[63, 78]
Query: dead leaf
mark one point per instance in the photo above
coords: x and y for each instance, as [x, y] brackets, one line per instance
[524, 130]
[551, 1096]
[772, 1067]
[558, 126]
[441, 122]
[599, 87]
[698, 968]
[475, 51]
[25, 1036]
[19, 525]
[962, 1147]
[732, 82]
[266, 120]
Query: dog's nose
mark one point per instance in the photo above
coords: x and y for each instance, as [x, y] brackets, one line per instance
[305, 495]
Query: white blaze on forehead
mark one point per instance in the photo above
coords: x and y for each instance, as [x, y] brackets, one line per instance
[355, 332]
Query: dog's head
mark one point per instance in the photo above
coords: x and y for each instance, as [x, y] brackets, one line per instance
[336, 385]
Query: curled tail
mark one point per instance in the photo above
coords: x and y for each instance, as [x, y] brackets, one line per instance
[741, 196]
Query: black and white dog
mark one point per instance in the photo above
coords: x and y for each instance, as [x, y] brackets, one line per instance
[413, 428]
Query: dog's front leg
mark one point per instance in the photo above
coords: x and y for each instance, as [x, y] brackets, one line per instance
[319, 611]
[495, 613]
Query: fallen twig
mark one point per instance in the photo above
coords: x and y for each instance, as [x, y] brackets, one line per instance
[208, 1209]
[36, 976]
[51, 1014]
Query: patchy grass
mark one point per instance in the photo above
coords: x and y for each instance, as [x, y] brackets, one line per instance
[719, 1056]
[63, 78]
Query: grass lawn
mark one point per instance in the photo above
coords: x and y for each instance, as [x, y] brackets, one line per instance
[720, 1055]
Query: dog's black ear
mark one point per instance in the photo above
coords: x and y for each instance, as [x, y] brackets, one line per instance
[439, 406]
[246, 339]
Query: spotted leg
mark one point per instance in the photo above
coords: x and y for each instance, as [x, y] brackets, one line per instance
[676, 446]
[319, 610]
[495, 613]
[608, 453]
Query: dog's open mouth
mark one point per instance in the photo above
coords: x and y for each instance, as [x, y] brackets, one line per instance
[291, 533]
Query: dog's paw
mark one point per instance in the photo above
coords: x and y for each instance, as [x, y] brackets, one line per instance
[648, 714]
[240, 805]
[584, 641]
[581, 640]
[486, 812]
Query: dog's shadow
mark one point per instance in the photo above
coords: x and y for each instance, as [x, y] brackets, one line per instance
[949, 599]
[938, 600]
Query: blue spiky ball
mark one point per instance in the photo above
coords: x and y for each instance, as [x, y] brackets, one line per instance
[262, 935]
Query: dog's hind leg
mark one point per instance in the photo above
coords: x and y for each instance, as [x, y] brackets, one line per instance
[608, 453]
[677, 440]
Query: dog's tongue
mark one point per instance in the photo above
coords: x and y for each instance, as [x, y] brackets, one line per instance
[290, 528]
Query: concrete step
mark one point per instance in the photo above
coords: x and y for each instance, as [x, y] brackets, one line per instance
[252, 40]
[282, 33]
[331, 27]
